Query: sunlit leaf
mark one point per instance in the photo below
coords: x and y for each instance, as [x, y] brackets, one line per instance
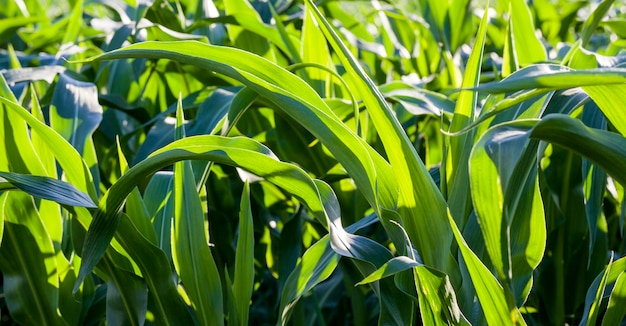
[48, 188]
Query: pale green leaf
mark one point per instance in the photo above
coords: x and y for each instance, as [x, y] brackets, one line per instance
[392, 267]
[528, 47]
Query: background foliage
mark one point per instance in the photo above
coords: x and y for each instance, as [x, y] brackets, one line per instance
[297, 162]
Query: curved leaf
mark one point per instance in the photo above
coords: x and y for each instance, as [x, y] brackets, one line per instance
[48, 188]
[420, 202]
[240, 152]
[392, 267]
[290, 94]
[605, 149]
[551, 76]
[76, 170]
[508, 204]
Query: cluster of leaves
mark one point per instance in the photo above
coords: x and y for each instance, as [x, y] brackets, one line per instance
[273, 162]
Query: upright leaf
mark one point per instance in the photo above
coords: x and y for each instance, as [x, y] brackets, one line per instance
[190, 244]
[457, 155]
[409, 170]
[528, 46]
[244, 260]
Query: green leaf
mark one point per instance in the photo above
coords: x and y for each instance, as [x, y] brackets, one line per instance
[48, 188]
[505, 193]
[605, 149]
[76, 170]
[417, 101]
[9, 25]
[75, 23]
[602, 85]
[75, 112]
[550, 76]
[596, 292]
[288, 93]
[313, 38]
[17, 150]
[135, 207]
[127, 297]
[528, 47]
[244, 260]
[160, 205]
[409, 171]
[28, 264]
[610, 101]
[240, 152]
[496, 308]
[316, 265]
[438, 302]
[458, 152]
[190, 243]
[392, 267]
[168, 306]
[593, 20]
[594, 310]
[616, 310]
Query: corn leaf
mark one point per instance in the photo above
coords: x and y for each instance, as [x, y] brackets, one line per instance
[168, 306]
[68, 158]
[409, 170]
[528, 47]
[244, 261]
[507, 202]
[616, 310]
[497, 308]
[605, 149]
[458, 151]
[48, 188]
[27, 260]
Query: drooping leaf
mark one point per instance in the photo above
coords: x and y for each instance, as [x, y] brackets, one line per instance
[409, 171]
[48, 188]
[550, 76]
[68, 158]
[605, 149]
[316, 265]
[75, 112]
[392, 267]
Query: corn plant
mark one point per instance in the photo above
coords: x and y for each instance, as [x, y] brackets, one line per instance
[291, 162]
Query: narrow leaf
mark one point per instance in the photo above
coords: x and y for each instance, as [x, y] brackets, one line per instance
[48, 188]
[392, 267]
[244, 259]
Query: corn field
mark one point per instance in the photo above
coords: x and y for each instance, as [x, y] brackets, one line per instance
[301, 162]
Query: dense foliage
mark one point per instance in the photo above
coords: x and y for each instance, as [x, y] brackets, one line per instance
[291, 162]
